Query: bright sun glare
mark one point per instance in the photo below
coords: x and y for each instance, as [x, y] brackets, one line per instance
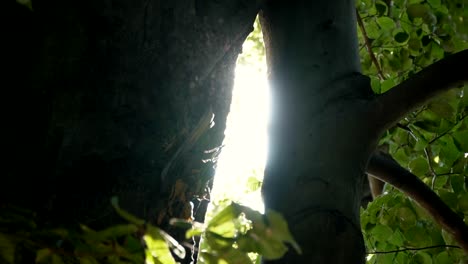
[242, 160]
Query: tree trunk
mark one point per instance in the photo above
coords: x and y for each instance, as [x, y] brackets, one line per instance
[115, 98]
[321, 134]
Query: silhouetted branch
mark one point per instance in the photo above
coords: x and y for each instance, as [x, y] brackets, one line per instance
[445, 74]
[412, 249]
[383, 167]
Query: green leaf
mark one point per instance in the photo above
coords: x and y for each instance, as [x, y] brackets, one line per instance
[386, 23]
[416, 236]
[434, 4]
[375, 84]
[386, 258]
[461, 140]
[415, 46]
[381, 233]
[449, 152]
[194, 232]
[373, 30]
[387, 218]
[226, 216]
[443, 258]
[235, 256]
[463, 203]
[262, 242]
[7, 248]
[437, 52]
[419, 166]
[157, 248]
[448, 197]
[442, 109]
[421, 258]
[218, 242]
[417, 11]
[177, 249]
[397, 238]
[381, 8]
[267, 236]
[401, 156]
[280, 229]
[448, 238]
[458, 183]
[387, 85]
[149, 259]
[132, 244]
[88, 260]
[406, 217]
[253, 184]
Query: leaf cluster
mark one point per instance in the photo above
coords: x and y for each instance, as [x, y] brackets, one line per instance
[230, 236]
[431, 142]
[397, 230]
[408, 35]
[238, 230]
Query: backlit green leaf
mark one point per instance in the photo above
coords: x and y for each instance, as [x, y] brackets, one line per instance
[157, 248]
[419, 166]
[386, 23]
[381, 233]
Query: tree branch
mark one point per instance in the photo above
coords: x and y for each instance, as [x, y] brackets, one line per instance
[445, 74]
[369, 46]
[383, 167]
[412, 249]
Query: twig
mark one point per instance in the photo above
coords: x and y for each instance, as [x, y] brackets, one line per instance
[411, 249]
[389, 6]
[427, 150]
[431, 168]
[203, 125]
[447, 131]
[369, 46]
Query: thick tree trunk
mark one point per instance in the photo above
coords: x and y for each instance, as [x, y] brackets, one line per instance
[320, 134]
[116, 98]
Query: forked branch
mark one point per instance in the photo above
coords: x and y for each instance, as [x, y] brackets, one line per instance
[383, 167]
[447, 73]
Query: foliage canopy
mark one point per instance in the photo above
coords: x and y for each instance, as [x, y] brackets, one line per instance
[406, 36]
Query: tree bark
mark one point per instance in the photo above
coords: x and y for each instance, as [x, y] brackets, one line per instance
[111, 98]
[320, 137]
[326, 122]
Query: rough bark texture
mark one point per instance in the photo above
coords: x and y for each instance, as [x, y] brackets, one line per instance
[320, 137]
[116, 98]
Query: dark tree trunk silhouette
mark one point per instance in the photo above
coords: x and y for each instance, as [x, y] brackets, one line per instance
[116, 98]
